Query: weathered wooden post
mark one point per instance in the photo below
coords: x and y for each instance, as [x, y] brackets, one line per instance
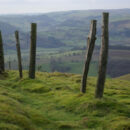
[103, 57]
[33, 51]
[9, 63]
[2, 65]
[90, 47]
[18, 54]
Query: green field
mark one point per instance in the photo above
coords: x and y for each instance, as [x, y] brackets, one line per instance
[68, 58]
[53, 102]
[71, 60]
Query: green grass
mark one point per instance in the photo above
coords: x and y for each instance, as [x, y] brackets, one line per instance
[53, 102]
[124, 77]
[75, 67]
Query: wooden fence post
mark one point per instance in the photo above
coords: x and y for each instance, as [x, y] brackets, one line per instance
[2, 65]
[9, 64]
[33, 51]
[90, 47]
[103, 57]
[18, 54]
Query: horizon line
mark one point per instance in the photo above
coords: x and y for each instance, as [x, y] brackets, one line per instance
[36, 13]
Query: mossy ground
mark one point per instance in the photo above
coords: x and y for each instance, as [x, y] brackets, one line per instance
[53, 102]
[124, 77]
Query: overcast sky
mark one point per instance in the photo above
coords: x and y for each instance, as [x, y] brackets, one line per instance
[41, 6]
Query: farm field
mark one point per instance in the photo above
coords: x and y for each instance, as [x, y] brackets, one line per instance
[72, 60]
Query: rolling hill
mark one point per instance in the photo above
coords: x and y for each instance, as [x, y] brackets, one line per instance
[42, 41]
[53, 102]
[70, 28]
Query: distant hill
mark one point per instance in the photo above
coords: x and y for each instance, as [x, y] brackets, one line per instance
[67, 28]
[42, 41]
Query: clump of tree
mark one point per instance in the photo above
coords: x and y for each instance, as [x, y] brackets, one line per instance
[39, 68]
[58, 65]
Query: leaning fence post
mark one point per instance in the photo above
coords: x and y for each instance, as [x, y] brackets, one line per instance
[103, 57]
[18, 53]
[2, 65]
[33, 51]
[90, 47]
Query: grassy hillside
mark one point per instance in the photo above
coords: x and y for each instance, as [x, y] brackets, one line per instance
[53, 102]
[125, 77]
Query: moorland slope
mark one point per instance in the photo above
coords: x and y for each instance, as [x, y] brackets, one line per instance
[53, 102]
